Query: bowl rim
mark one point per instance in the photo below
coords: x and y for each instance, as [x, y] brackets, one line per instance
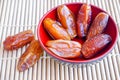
[77, 61]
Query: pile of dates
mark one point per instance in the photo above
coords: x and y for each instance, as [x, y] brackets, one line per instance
[68, 27]
[31, 54]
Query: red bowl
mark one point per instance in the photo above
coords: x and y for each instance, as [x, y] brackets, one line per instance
[111, 29]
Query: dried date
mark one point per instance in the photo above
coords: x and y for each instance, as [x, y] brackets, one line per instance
[64, 48]
[18, 40]
[98, 25]
[55, 29]
[93, 45]
[67, 19]
[30, 56]
[83, 20]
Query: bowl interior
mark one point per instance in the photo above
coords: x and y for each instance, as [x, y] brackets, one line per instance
[111, 29]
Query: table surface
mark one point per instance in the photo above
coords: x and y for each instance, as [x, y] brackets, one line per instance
[20, 15]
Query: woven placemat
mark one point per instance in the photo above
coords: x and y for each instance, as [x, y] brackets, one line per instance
[20, 15]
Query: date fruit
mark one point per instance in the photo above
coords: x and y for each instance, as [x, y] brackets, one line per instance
[55, 29]
[64, 48]
[98, 25]
[30, 56]
[18, 40]
[95, 44]
[67, 19]
[83, 20]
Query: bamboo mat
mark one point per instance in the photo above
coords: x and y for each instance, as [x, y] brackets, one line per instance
[20, 15]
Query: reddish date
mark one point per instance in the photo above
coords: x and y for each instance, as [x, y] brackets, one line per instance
[94, 45]
[55, 29]
[30, 56]
[65, 48]
[98, 25]
[83, 20]
[67, 19]
[18, 40]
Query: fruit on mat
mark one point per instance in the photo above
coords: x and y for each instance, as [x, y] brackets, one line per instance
[30, 56]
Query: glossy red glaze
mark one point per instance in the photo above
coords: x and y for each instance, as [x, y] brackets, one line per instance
[111, 29]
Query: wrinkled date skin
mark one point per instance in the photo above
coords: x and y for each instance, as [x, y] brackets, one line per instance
[94, 45]
[64, 48]
[98, 25]
[30, 56]
[18, 40]
[83, 20]
[67, 19]
[55, 29]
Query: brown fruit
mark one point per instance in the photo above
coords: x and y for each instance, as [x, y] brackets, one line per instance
[98, 25]
[55, 29]
[67, 19]
[95, 44]
[18, 40]
[30, 56]
[83, 20]
[65, 48]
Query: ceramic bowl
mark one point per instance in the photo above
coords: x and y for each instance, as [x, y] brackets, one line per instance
[111, 29]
